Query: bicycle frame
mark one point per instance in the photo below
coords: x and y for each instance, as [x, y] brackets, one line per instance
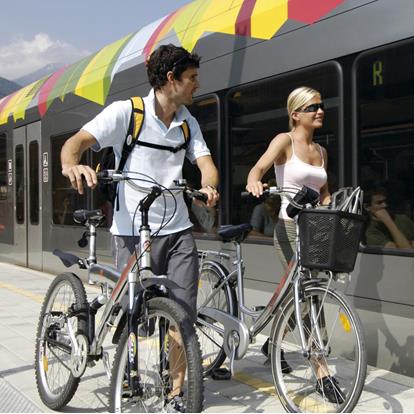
[296, 279]
[118, 285]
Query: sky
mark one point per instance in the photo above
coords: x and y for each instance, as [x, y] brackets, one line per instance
[34, 34]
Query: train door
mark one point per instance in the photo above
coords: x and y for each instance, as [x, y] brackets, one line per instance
[27, 196]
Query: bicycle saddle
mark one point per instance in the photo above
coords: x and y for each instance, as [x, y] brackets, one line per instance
[82, 216]
[236, 232]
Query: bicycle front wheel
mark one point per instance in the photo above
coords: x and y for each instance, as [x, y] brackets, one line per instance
[330, 378]
[53, 355]
[168, 361]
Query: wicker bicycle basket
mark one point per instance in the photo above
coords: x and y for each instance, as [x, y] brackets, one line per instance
[329, 239]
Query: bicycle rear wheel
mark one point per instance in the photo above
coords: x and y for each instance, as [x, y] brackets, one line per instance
[53, 355]
[342, 361]
[224, 299]
[166, 332]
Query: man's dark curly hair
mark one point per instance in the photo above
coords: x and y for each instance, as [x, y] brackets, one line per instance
[169, 58]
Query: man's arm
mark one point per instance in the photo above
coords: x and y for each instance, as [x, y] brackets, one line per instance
[70, 156]
[209, 179]
[400, 241]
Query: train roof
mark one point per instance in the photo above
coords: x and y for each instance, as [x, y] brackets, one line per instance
[91, 77]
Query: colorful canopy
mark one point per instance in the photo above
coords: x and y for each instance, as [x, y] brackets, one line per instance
[91, 78]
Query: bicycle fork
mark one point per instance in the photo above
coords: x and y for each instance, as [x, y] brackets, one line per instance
[314, 338]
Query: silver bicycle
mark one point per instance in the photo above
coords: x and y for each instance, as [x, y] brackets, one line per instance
[156, 343]
[317, 348]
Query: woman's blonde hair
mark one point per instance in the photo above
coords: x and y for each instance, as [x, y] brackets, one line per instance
[297, 99]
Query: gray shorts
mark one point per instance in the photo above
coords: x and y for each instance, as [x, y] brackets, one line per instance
[175, 256]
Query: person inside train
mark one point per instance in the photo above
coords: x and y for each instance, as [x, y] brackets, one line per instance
[297, 161]
[173, 74]
[385, 229]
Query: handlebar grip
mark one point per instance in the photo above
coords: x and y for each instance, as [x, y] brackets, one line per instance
[197, 195]
[246, 194]
[105, 175]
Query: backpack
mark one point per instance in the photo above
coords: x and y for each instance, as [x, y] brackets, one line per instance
[109, 191]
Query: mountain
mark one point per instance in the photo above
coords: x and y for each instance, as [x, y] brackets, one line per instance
[7, 87]
[39, 74]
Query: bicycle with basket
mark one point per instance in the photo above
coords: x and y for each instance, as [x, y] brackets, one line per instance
[317, 347]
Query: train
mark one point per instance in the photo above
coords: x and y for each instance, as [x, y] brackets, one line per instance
[358, 53]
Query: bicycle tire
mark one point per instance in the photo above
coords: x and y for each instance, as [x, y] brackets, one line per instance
[55, 388]
[150, 375]
[345, 358]
[211, 342]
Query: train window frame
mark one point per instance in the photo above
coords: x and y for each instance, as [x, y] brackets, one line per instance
[34, 183]
[337, 67]
[19, 184]
[365, 248]
[218, 144]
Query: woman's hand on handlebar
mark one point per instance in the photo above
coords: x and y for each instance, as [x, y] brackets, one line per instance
[212, 195]
[256, 188]
[78, 173]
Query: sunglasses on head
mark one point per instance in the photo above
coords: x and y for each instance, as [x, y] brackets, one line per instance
[313, 108]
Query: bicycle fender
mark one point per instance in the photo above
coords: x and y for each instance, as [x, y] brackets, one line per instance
[68, 259]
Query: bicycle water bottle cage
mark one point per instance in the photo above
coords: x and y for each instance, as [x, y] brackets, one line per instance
[236, 232]
[304, 196]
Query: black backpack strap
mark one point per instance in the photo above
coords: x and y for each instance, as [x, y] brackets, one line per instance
[187, 136]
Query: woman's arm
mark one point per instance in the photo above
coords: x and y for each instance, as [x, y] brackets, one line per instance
[276, 148]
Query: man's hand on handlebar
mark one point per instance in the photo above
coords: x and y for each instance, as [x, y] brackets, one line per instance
[212, 194]
[78, 173]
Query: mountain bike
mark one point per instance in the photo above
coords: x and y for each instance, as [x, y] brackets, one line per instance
[317, 347]
[149, 327]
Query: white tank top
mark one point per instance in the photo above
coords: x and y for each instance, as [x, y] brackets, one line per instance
[296, 173]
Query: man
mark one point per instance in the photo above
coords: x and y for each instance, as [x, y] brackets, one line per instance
[173, 74]
[383, 229]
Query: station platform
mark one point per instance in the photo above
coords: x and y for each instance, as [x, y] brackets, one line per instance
[250, 390]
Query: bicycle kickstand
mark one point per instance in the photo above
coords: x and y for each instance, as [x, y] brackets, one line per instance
[233, 343]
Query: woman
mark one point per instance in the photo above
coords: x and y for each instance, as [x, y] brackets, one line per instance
[298, 161]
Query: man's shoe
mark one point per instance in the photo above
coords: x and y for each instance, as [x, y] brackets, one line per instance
[175, 404]
[286, 368]
[328, 387]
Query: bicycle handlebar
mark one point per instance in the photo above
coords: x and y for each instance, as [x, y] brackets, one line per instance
[110, 176]
[298, 202]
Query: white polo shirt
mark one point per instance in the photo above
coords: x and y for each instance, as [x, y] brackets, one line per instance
[110, 128]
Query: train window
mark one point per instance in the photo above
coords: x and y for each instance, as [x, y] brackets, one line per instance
[257, 113]
[385, 98]
[98, 200]
[65, 200]
[206, 111]
[19, 184]
[34, 182]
